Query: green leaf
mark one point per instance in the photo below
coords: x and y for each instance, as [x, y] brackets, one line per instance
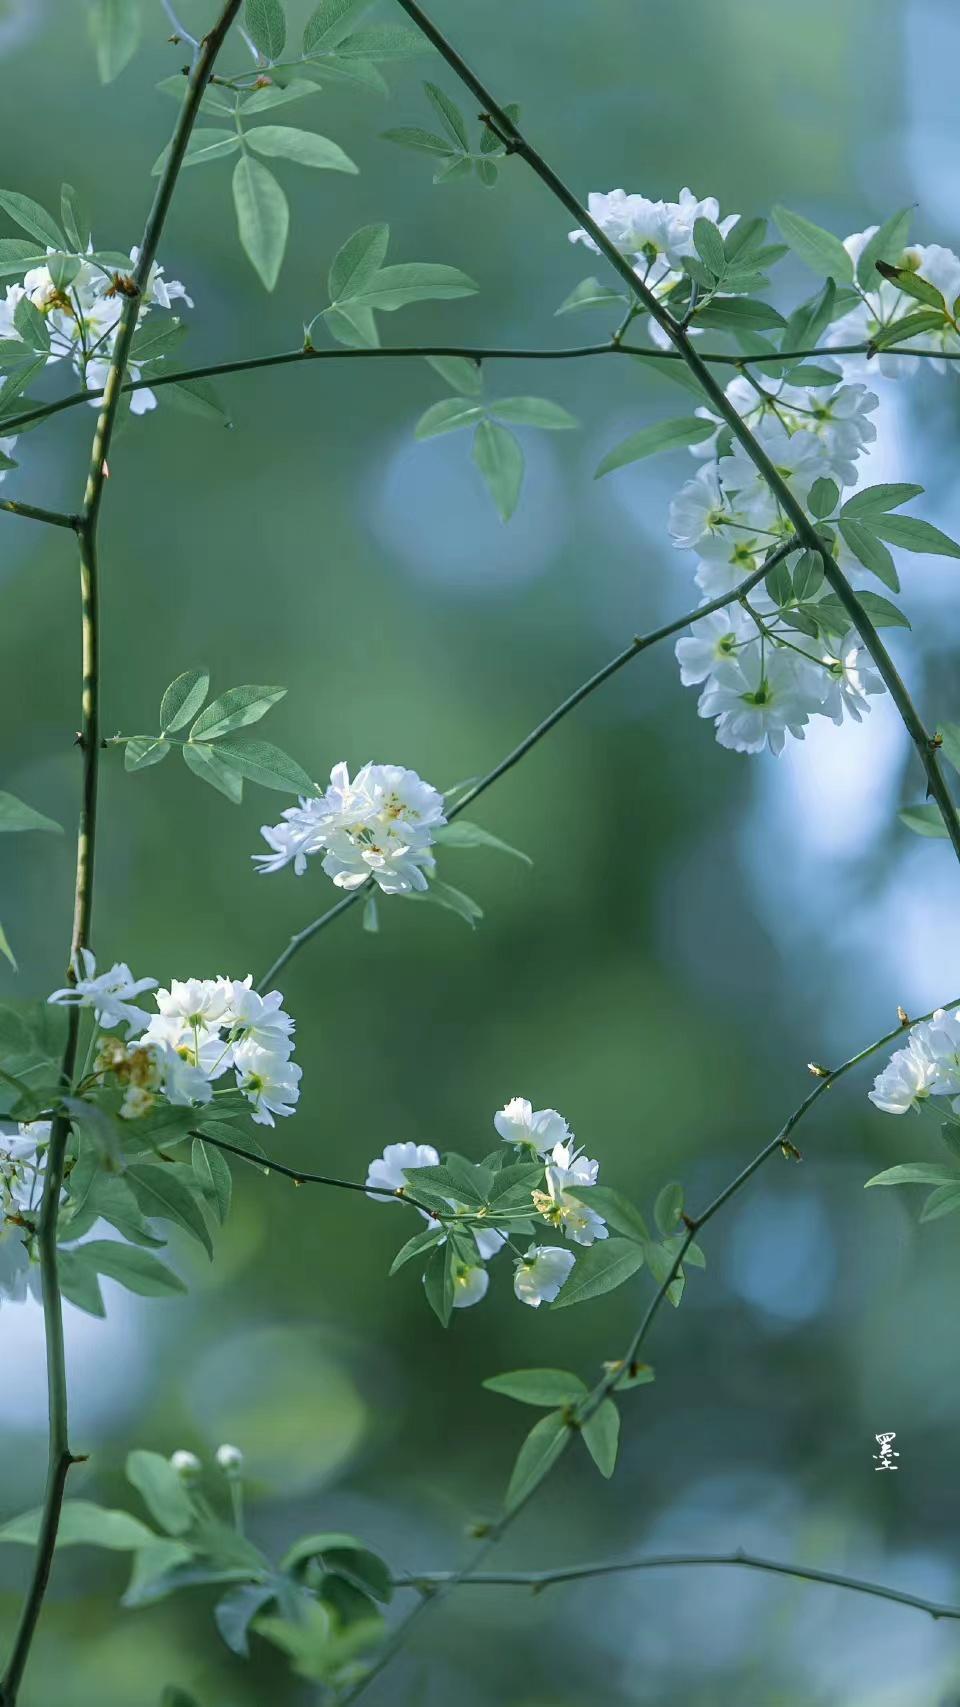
[235, 709]
[599, 1269]
[779, 584]
[547, 1439]
[887, 244]
[31, 326]
[676, 372]
[917, 1173]
[73, 216]
[262, 762]
[709, 246]
[833, 613]
[590, 293]
[183, 699]
[136, 1269]
[499, 457]
[82, 1522]
[262, 100]
[267, 26]
[662, 435]
[157, 338]
[738, 314]
[449, 115]
[422, 141]
[160, 1192]
[141, 751]
[461, 374]
[912, 284]
[824, 496]
[668, 1207]
[924, 820]
[545, 1387]
[817, 249]
[6, 950]
[879, 499]
[619, 1212]
[204, 145]
[448, 416]
[870, 551]
[233, 1614]
[33, 219]
[943, 1201]
[412, 281]
[660, 1260]
[305, 146]
[329, 22]
[808, 576]
[384, 41]
[357, 262]
[462, 834]
[79, 1282]
[197, 397]
[910, 326]
[911, 534]
[601, 1432]
[415, 1247]
[533, 412]
[115, 27]
[162, 1491]
[205, 763]
[438, 1284]
[263, 217]
[213, 1172]
[16, 815]
[16, 255]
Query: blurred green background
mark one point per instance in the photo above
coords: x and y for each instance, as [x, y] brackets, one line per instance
[696, 927]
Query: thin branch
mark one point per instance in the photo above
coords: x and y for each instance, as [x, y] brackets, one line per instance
[640, 644]
[442, 1585]
[426, 1582]
[470, 352]
[806, 532]
[33, 513]
[268, 1166]
[60, 1457]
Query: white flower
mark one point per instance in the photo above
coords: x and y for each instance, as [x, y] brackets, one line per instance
[110, 994]
[269, 1081]
[186, 1464]
[470, 1282]
[229, 1459]
[262, 1018]
[539, 1129]
[488, 1241]
[300, 833]
[182, 1081]
[563, 1207]
[199, 1002]
[6, 448]
[699, 510]
[712, 646]
[381, 825]
[541, 1273]
[773, 692]
[164, 292]
[850, 677]
[387, 1171]
[798, 457]
[656, 235]
[905, 1081]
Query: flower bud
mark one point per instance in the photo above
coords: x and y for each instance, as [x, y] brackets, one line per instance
[186, 1464]
[230, 1460]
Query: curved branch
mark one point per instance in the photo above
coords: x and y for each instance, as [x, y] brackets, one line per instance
[60, 1457]
[427, 1582]
[470, 352]
[636, 646]
[268, 1166]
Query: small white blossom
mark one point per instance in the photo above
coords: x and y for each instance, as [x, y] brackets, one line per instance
[387, 1171]
[380, 825]
[541, 1273]
[907, 1080]
[229, 1459]
[470, 1282]
[186, 1464]
[270, 1082]
[110, 994]
[772, 693]
[539, 1129]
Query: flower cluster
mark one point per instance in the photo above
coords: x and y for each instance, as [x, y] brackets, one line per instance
[22, 1156]
[81, 300]
[380, 825]
[928, 1066]
[203, 1028]
[879, 307]
[540, 1136]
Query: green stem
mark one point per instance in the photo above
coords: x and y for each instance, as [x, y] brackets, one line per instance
[636, 646]
[806, 531]
[59, 1455]
[426, 1582]
[475, 353]
[33, 513]
[299, 1177]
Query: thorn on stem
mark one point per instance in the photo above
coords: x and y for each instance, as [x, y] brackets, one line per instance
[790, 1152]
[817, 1070]
[902, 1015]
